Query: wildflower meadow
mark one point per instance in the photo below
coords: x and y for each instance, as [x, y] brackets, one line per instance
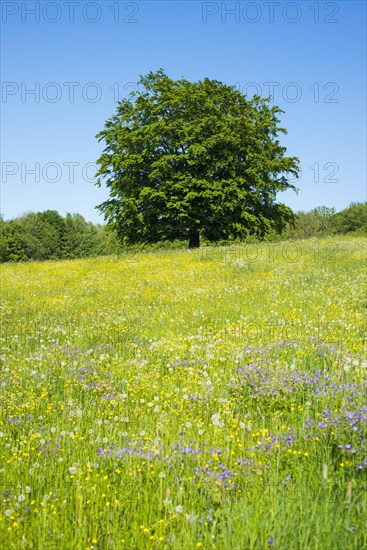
[210, 398]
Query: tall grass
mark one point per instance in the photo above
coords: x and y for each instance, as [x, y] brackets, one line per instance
[210, 398]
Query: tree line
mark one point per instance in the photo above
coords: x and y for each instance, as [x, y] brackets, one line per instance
[49, 236]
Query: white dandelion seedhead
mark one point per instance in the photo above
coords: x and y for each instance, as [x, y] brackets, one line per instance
[216, 420]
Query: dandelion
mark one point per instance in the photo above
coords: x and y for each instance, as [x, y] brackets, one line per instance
[216, 420]
[179, 509]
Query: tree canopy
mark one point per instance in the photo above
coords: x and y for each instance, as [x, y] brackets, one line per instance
[48, 236]
[184, 159]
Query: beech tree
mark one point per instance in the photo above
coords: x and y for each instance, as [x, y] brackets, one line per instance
[189, 159]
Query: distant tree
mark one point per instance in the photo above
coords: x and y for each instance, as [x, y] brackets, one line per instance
[81, 238]
[72, 235]
[352, 219]
[189, 159]
[41, 239]
[53, 219]
[308, 224]
[11, 245]
[109, 242]
[325, 215]
[48, 236]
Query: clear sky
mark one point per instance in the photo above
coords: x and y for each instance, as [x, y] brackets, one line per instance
[65, 63]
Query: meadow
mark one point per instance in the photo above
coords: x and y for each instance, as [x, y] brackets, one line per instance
[211, 398]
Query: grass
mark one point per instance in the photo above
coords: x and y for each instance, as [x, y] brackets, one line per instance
[211, 398]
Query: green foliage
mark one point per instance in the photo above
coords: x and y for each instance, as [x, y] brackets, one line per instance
[322, 221]
[49, 236]
[189, 159]
[40, 236]
[81, 237]
[11, 245]
[353, 219]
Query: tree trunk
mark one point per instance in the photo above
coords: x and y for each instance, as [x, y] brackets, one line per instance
[194, 241]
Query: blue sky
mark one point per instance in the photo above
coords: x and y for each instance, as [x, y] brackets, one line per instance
[78, 57]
